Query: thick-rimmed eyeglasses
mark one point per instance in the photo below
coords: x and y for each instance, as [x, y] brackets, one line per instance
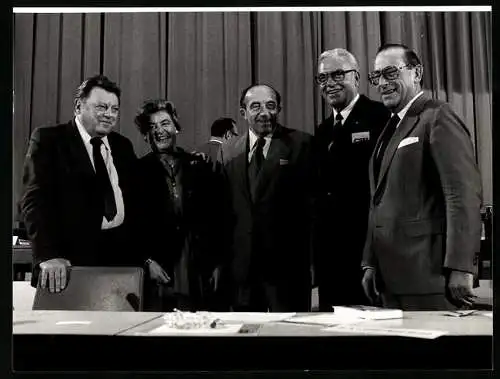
[389, 73]
[336, 76]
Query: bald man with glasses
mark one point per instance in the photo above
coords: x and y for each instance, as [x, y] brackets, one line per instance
[344, 142]
[424, 231]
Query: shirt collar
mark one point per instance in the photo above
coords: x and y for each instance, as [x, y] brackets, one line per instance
[86, 136]
[216, 139]
[252, 138]
[347, 110]
[403, 111]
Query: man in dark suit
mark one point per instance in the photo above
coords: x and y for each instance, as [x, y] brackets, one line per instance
[424, 230]
[222, 129]
[267, 172]
[344, 143]
[78, 197]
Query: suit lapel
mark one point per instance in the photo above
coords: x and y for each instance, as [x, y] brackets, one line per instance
[78, 152]
[405, 127]
[241, 163]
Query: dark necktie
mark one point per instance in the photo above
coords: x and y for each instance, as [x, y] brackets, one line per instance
[108, 197]
[336, 131]
[384, 141]
[256, 163]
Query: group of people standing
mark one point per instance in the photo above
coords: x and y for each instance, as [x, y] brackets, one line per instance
[381, 206]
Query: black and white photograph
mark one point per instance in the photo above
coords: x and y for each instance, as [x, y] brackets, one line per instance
[252, 189]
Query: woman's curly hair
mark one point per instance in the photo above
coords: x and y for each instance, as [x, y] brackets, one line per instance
[149, 107]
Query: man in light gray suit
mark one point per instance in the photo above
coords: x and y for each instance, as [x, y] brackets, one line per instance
[424, 226]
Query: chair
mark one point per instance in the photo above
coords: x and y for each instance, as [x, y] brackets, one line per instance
[96, 289]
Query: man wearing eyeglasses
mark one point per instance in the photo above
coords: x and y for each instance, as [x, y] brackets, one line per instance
[424, 229]
[78, 199]
[267, 173]
[344, 143]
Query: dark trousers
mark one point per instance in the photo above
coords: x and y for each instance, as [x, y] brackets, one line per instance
[161, 298]
[265, 297]
[426, 302]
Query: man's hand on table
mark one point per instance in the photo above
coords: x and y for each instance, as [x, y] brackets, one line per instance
[459, 289]
[55, 271]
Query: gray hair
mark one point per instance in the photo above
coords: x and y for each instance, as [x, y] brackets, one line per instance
[339, 53]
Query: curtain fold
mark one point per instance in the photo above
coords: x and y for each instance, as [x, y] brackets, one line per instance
[202, 61]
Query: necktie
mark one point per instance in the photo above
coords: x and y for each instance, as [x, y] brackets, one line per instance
[108, 197]
[338, 121]
[256, 163]
[336, 130]
[384, 141]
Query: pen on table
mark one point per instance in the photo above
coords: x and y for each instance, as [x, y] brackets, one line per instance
[215, 322]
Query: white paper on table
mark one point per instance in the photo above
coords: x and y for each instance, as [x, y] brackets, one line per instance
[363, 329]
[324, 319]
[488, 314]
[220, 329]
[14, 240]
[249, 317]
[73, 322]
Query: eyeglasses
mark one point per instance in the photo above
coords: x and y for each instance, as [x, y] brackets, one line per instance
[337, 76]
[389, 73]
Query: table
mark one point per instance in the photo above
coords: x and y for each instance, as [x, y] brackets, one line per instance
[78, 323]
[276, 346]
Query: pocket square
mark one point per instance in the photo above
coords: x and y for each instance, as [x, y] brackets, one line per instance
[283, 162]
[408, 141]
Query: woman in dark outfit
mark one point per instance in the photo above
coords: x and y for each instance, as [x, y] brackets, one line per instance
[177, 219]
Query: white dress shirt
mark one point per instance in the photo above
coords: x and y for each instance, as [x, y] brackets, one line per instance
[403, 111]
[252, 143]
[113, 175]
[347, 110]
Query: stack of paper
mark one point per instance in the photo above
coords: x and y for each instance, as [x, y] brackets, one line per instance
[381, 331]
[367, 312]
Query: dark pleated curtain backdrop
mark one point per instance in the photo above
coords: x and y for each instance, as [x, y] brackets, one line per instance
[202, 61]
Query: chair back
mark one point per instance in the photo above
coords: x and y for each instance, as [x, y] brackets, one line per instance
[96, 289]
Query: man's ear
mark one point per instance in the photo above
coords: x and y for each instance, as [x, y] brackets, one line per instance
[356, 77]
[78, 106]
[243, 113]
[419, 71]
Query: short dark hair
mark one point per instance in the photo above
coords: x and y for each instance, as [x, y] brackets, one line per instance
[244, 93]
[149, 107]
[221, 126]
[411, 58]
[101, 81]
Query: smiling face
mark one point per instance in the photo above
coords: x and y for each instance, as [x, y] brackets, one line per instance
[163, 134]
[261, 110]
[99, 112]
[397, 93]
[338, 94]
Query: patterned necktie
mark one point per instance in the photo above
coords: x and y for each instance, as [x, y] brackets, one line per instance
[104, 183]
[384, 141]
